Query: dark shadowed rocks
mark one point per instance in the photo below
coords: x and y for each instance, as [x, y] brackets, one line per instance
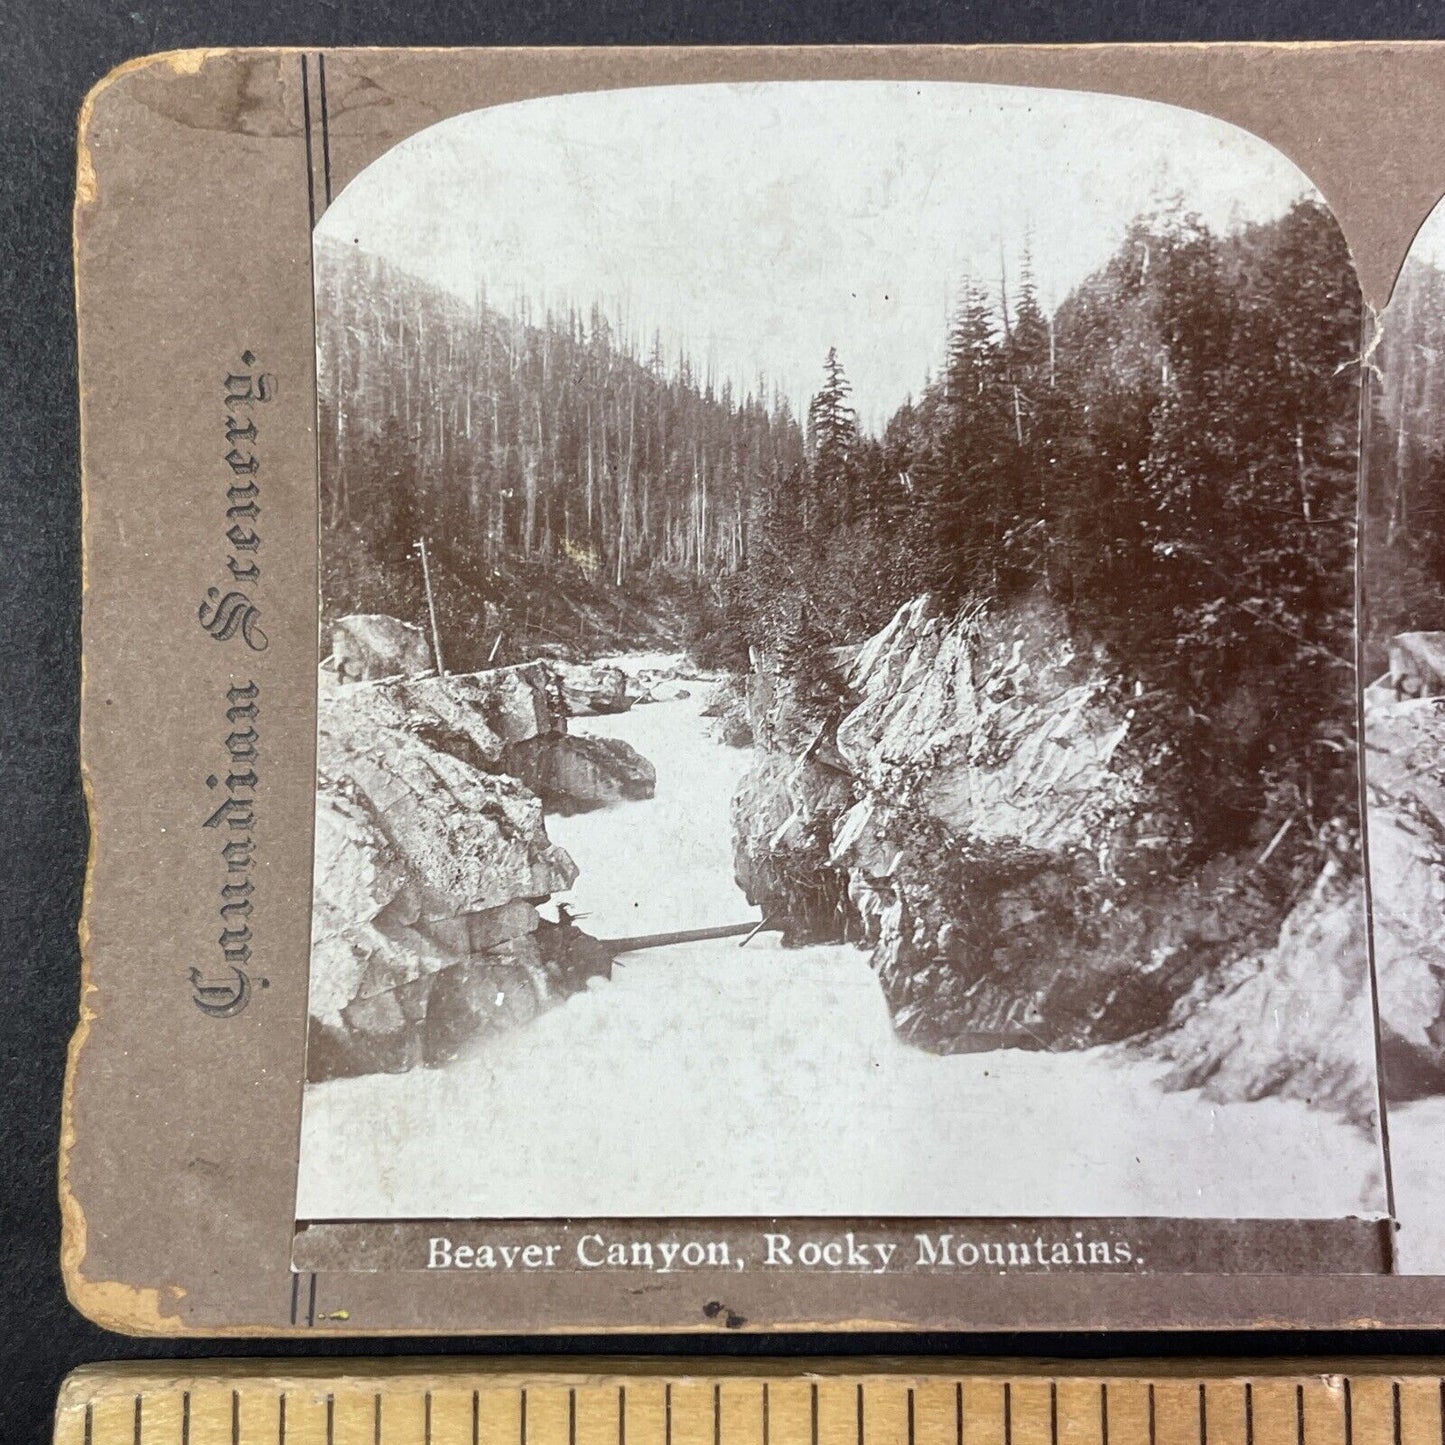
[575, 773]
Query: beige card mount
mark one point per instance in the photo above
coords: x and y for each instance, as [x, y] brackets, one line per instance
[761, 689]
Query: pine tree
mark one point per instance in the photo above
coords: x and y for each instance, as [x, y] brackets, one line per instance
[832, 439]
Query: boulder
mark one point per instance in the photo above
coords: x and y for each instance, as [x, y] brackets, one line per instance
[466, 840]
[474, 717]
[592, 687]
[371, 645]
[1417, 664]
[576, 773]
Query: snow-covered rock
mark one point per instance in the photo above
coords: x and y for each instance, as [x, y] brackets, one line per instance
[370, 645]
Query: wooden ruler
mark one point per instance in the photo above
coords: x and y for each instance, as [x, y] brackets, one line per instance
[784, 1402]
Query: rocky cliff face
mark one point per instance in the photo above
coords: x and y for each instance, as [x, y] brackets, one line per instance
[1292, 1020]
[1405, 796]
[1295, 1019]
[973, 815]
[431, 858]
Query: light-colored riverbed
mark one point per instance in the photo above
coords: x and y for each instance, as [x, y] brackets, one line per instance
[708, 1079]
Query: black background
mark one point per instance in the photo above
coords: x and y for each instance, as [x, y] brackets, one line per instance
[51, 52]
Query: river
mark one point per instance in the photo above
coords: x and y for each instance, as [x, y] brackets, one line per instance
[713, 1079]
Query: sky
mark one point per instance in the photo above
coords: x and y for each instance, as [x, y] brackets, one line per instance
[758, 225]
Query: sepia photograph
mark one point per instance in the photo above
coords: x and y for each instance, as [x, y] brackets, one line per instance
[837, 675]
[1403, 640]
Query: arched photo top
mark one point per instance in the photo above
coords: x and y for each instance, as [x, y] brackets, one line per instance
[907, 530]
[751, 224]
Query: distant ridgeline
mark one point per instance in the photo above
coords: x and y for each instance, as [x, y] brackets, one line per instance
[534, 453]
[1405, 513]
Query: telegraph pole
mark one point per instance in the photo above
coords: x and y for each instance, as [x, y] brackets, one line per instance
[436, 641]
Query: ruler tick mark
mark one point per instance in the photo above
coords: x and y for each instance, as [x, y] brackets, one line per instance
[910, 1417]
[376, 1420]
[667, 1416]
[1053, 1412]
[235, 1417]
[717, 1415]
[281, 1419]
[476, 1417]
[814, 1430]
[139, 1405]
[958, 1412]
[860, 1414]
[89, 1425]
[572, 1417]
[622, 1415]
[1349, 1414]
[767, 1408]
[1008, 1414]
[1395, 1409]
[331, 1420]
[1152, 1436]
[426, 1424]
[1203, 1416]
[1248, 1413]
[1104, 1413]
[186, 1418]
[524, 1418]
[1299, 1415]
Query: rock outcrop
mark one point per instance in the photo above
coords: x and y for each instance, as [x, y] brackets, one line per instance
[1405, 796]
[431, 857]
[594, 688]
[727, 706]
[371, 645]
[1295, 1019]
[972, 813]
[573, 774]
[1417, 664]
[1292, 1021]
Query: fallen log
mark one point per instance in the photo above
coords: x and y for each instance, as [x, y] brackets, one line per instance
[686, 935]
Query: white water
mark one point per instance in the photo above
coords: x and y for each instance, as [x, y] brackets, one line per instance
[1417, 1154]
[709, 1079]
